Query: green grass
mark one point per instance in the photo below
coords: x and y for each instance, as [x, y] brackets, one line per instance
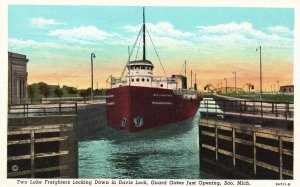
[265, 97]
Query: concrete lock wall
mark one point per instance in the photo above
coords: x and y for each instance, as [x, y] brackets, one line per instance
[90, 119]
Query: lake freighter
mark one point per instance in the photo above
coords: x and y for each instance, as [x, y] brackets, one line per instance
[140, 101]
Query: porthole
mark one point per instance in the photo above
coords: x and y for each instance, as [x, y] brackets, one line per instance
[147, 80]
[132, 80]
[137, 80]
[161, 85]
[143, 79]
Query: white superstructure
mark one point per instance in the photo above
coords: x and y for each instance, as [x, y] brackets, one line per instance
[140, 73]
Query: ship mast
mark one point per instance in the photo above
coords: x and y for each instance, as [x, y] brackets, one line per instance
[144, 40]
[185, 68]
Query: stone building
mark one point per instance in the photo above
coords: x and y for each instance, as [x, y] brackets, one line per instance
[17, 78]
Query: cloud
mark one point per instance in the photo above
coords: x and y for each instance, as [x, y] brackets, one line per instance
[226, 28]
[82, 34]
[41, 22]
[160, 29]
[20, 44]
[244, 32]
[14, 42]
[280, 30]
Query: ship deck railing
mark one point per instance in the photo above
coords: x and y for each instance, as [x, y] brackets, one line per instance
[154, 79]
[186, 94]
[161, 78]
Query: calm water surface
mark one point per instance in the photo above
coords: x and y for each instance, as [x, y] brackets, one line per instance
[169, 152]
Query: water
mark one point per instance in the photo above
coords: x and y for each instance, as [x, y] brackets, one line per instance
[169, 152]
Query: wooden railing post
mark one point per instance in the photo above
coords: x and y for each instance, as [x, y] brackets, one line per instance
[254, 153]
[280, 157]
[27, 110]
[288, 109]
[207, 106]
[241, 110]
[32, 153]
[59, 108]
[276, 111]
[76, 108]
[24, 110]
[216, 141]
[233, 147]
[261, 109]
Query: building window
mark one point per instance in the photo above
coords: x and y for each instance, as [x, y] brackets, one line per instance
[161, 85]
[137, 80]
[143, 79]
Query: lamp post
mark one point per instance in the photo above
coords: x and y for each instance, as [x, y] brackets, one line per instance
[260, 72]
[92, 78]
[271, 88]
[221, 86]
[234, 81]
[225, 85]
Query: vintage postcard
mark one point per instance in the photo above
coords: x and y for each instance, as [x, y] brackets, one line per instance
[149, 94]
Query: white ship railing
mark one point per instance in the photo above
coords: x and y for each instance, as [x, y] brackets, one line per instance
[186, 94]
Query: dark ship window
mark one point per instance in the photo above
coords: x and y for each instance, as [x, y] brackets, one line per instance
[132, 80]
[137, 80]
[147, 80]
[143, 67]
[161, 85]
[143, 79]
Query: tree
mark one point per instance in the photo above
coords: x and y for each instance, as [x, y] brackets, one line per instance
[100, 92]
[72, 90]
[88, 91]
[44, 89]
[83, 94]
[31, 92]
[58, 92]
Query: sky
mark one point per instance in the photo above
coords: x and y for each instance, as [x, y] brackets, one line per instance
[58, 41]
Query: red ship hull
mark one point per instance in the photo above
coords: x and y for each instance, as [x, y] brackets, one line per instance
[132, 108]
